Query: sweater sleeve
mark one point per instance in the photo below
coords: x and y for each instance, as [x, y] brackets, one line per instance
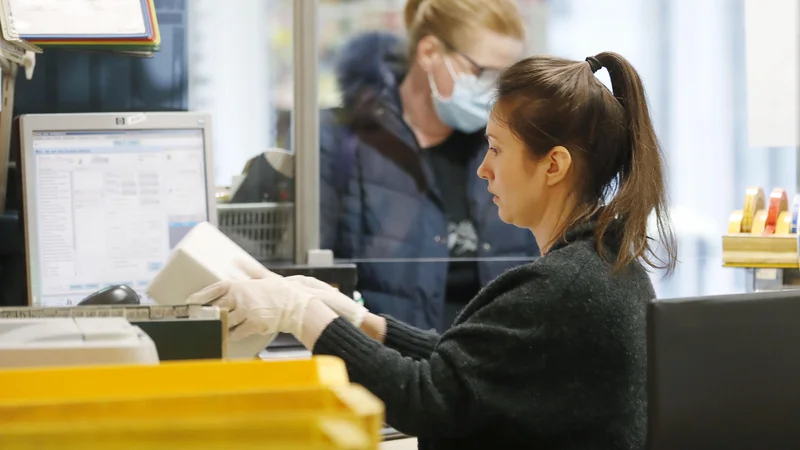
[492, 373]
[422, 397]
[409, 341]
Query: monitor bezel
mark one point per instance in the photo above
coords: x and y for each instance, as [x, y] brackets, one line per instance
[31, 123]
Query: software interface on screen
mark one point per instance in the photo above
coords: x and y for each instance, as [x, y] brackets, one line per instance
[110, 206]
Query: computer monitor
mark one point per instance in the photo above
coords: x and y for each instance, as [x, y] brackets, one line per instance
[106, 196]
[724, 372]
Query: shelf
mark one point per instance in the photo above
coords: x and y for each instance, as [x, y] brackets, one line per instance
[753, 251]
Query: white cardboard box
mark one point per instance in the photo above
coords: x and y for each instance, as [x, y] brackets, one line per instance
[203, 257]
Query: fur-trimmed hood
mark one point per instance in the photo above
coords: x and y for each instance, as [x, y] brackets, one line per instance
[373, 64]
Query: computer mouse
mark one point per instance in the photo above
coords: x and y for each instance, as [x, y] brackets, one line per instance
[112, 295]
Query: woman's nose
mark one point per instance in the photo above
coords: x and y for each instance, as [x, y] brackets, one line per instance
[483, 169]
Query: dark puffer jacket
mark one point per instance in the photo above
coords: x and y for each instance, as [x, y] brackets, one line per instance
[379, 203]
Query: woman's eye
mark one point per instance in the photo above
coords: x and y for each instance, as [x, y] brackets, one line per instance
[493, 150]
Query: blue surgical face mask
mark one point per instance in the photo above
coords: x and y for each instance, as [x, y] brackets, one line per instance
[467, 110]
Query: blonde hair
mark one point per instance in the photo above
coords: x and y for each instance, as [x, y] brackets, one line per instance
[453, 21]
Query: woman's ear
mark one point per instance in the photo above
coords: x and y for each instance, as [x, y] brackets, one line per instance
[560, 161]
[427, 51]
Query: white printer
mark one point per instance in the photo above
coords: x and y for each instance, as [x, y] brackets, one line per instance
[51, 342]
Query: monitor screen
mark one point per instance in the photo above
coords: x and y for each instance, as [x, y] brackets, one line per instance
[110, 205]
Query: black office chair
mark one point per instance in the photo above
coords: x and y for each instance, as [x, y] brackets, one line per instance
[724, 372]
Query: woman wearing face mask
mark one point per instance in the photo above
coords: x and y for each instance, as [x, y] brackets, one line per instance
[397, 160]
[550, 354]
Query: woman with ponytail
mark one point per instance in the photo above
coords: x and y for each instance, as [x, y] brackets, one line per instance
[549, 355]
[594, 155]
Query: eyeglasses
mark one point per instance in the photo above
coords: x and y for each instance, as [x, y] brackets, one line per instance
[485, 75]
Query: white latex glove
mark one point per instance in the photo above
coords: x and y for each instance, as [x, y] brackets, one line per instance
[341, 304]
[255, 270]
[258, 306]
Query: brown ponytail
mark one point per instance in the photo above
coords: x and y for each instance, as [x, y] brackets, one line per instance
[549, 101]
[641, 187]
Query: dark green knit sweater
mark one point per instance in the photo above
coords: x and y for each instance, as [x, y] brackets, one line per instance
[550, 355]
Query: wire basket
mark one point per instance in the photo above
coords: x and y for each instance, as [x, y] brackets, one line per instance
[265, 230]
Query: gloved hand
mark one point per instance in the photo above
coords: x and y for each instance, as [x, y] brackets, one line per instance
[258, 306]
[254, 269]
[341, 304]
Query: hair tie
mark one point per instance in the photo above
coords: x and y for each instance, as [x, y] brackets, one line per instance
[594, 63]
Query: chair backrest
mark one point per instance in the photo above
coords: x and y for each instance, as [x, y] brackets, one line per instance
[724, 372]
